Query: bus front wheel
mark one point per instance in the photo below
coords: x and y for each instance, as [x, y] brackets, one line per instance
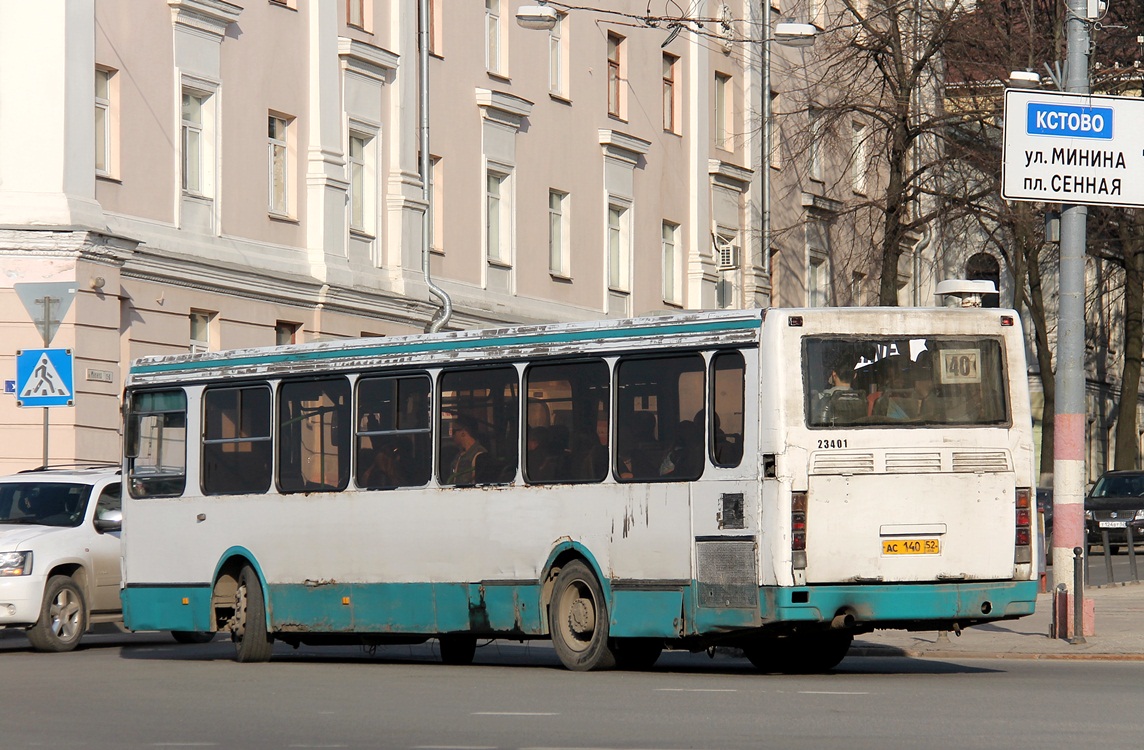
[578, 620]
[248, 628]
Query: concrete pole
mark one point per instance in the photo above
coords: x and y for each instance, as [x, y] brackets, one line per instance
[1068, 444]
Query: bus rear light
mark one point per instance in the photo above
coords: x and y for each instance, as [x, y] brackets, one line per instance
[1006, 320]
[798, 529]
[1022, 552]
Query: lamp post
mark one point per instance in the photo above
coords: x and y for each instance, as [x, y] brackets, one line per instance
[788, 34]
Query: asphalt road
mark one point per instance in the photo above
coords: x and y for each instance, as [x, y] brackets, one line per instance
[144, 691]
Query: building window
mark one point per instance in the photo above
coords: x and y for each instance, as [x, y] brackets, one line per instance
[355, 13]
[103, 121]
[497, 217]
[776, 160]
[722, 110]
[816, 135]
[670, 63]
[860, 153]
[202, 322]
[557, 61]
[615, 75]
[437, 196]
[817, 254]
[672, 276]
[493, 36]
[286, 333]
[857, 281]
[360, 162]
[196, 164]
[557, 233]
[279, 165]
[618, 250]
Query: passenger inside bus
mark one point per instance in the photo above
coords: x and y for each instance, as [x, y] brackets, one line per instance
[841, 403]
[469, 448]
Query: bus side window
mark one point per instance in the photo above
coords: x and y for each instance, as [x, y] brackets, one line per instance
[567, 432]
[314, 435]
[725, 428]
[478, 428]
[394, 444]
[236, 440]
[656, 398]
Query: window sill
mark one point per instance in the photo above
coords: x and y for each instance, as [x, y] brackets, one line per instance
[495, 263]
[283, 219]
[624, 292]
[561, 277]
[617, 118]
[108, 178]
[559, 98]
[499, 76]
[360, 234]
[438, 251]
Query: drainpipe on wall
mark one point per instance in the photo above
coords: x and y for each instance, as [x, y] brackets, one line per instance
[923, 245]
[441, 317]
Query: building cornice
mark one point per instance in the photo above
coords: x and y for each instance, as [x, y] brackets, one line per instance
[210, 16]
[503, 108]
[821, 204]
[366, 59]
[622, 146]
[730, 175]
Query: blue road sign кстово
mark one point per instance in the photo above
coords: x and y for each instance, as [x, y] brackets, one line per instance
[44, 377]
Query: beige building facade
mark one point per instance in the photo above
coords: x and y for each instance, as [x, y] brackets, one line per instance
[205, 174]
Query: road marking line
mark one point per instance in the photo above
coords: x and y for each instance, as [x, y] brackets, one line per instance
[829, 692]
[515, 713]
[696, 690]
[454, 747]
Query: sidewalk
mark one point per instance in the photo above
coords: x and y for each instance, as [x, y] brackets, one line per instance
[1119, 634]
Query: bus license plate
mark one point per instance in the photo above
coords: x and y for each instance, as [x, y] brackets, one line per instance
[910, 546]
[1113, 524]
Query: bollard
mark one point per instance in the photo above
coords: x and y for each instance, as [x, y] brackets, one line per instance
[1107, 556]
[1078, 596]
[1131, 553]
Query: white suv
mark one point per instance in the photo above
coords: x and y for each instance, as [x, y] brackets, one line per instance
[59, 553]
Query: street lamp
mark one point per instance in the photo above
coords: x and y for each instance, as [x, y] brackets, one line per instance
[789, 34]
[1024, 79]
[538, 17]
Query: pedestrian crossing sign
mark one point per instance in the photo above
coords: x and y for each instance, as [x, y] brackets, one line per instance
[44, 377]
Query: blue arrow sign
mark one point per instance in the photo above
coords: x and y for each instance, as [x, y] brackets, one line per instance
[45, 377]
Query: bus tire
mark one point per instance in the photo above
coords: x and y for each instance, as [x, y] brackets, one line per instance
[457, 648]
[637, 654]
[63, 616]
[248, 628]
[578, 620]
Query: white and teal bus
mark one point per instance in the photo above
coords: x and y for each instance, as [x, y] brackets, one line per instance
[773, 480]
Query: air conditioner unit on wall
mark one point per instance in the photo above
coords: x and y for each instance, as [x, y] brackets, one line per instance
[726, 254]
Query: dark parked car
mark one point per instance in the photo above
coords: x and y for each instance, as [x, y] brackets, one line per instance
[1116, 504]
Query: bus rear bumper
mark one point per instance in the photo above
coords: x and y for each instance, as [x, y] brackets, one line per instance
[922, 606]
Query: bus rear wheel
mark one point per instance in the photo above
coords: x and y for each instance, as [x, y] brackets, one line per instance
[252, 643]
[578, 620]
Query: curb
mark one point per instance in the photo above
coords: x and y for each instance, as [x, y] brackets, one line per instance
[893, 651]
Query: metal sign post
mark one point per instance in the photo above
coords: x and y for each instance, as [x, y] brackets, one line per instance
[47, 303]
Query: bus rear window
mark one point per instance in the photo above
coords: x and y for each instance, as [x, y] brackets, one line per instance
[887, 381]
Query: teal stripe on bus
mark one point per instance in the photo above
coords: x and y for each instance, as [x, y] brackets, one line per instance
[303, 355]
